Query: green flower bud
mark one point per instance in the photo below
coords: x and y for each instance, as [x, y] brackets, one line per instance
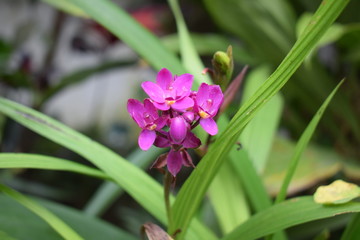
[223, 67]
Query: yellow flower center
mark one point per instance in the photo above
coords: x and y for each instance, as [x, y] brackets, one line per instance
[204, 114]
[152, 127]
[170, 102]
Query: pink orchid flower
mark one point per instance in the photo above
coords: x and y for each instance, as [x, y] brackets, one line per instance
[207, 103]
[170, 92]
[147, 117]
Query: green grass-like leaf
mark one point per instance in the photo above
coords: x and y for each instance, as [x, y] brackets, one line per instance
[301, 145]
[20, 223]
[195, 187]
[131, 32]
[56, 223]
[190, 57]
[352, 230]
[21, 160]
[133, 180]
[286, 214]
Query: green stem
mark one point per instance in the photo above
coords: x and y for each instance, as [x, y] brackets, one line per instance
[167, 185]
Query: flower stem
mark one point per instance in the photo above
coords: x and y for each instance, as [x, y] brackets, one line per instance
[168, 179]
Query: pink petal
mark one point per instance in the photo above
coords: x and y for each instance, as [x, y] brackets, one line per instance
[203, 94]
[146, 139]
[160, 161]
[182, 85]
[187, 161]
[160, 122]
[150, 108]
[162, 142]
[136, 110]
[154, 91]
[178, 129]
[217, 97]
[161, 106]
[174, 162]
[183, 104]
[209, 125]
[164, 79]
[189, 116]
[191, 141]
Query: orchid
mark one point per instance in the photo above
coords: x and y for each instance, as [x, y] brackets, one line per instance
[170, 113]
[146, 116]
[208, 101]
[169, 91]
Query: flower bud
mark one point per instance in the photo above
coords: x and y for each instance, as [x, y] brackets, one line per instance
[178, 129]
[223, 67]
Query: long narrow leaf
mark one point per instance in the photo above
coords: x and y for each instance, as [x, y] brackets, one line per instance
[190, 57]
[108, 192]
[195, 187]
[131, 32]
[256, 132]
[56, 223]
[22, 160]
[352, 231]
[133, 180]
[286, 214]
[301, 145]
[228, 199]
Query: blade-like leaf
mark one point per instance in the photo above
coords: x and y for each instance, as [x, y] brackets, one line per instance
[131, 32]
[56, 223]
[67, 6]
[108, 192]
[301, 145]
[257, 133]
[352, 231]
[133, 180]
[21, 160]
[286, 214]
[228, 199]
[196, 185]
[190, 57]
[20, 223]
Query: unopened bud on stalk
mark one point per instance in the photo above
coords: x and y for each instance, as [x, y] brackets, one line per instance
[223, 65]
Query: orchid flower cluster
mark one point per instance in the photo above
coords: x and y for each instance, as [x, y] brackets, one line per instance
[171, 112]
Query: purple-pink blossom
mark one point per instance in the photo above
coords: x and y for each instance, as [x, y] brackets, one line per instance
[207, 103]
[146, 116]
[170, 113]
[169, 91]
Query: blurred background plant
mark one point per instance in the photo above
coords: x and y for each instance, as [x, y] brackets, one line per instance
[57, 60]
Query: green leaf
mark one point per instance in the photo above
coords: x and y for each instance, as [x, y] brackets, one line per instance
[22, 224]
[286, 214]
[228, 199]
[352, 230]
[193, 190]
[317, 164]
[56, 223]
[23, 160]
[133, 180]
[338, 192]
[108, 192]
[207, 44]
[301, 145]
[122, 25]
[190, 57]
[67, 6]
[332, 34]
[266, 28]
[257, 137]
